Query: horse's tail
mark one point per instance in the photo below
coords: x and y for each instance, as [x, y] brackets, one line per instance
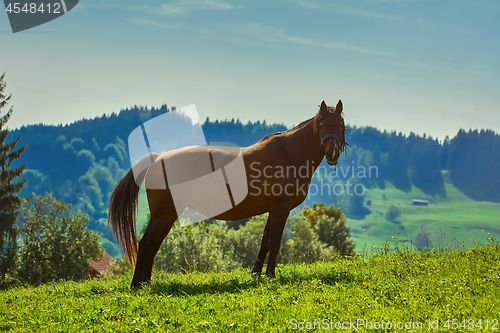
[123, 206]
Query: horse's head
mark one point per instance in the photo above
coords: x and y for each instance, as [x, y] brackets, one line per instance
[331, 130]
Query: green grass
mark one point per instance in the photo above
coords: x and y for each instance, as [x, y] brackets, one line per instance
[403, 287]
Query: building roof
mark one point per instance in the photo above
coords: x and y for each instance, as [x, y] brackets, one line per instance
[102, 265]
[420, 200]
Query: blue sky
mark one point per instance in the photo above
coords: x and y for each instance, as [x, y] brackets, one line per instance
[412, 66]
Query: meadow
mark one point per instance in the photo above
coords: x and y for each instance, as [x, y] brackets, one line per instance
[452, 221]
[451, 290]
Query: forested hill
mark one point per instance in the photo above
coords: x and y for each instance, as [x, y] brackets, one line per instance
[67, 152]
[81, 162]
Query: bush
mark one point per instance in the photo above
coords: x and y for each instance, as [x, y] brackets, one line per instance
[248, 239]
[54, 243]
[393, 214]
[304, 245]
[329, 225]
[199, 247]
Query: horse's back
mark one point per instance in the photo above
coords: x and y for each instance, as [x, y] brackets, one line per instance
[178, 166]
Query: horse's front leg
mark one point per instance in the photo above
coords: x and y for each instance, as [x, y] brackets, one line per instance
[277, 220]
[264, 249]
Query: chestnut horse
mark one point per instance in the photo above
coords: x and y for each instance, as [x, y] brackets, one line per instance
[279, 169]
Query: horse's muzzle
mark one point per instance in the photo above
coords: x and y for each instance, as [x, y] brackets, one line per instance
[332, 156]
[331, 148]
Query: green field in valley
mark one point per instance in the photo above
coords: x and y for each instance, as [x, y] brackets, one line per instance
[454, 221]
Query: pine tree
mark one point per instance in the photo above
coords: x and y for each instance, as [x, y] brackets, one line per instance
[10, 200]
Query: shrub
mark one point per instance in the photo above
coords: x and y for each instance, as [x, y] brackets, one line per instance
[393, 214]
[198, 247]
[54, 243]
[329, 225]
[304, 245]
[248, 239]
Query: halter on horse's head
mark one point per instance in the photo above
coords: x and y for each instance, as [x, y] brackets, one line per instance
[331, 129]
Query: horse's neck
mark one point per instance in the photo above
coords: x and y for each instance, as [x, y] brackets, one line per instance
[304, 146]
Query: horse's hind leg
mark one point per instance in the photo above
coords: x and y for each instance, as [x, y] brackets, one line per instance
[162, 220]
[150, 243]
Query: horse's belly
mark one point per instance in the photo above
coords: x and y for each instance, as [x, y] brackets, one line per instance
[207, 195]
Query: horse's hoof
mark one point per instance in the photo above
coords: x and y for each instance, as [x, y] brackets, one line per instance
[137, 285]
[271, 275]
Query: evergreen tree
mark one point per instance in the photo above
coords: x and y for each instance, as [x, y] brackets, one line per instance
[397, 164]
[9, 191]
[377, 161]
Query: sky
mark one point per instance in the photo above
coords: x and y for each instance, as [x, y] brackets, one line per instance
[412, 66]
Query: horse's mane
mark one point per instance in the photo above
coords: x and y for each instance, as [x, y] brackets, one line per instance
[291, 130]
[301, 125]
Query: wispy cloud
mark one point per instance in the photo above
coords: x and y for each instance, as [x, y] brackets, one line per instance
[141, 21]
[333, 45]
[341, 9]
[220, 5]
[365, 13]
[272, 35]
[183, 7]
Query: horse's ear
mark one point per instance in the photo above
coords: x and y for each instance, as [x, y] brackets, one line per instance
[339, 107]
[323, 108]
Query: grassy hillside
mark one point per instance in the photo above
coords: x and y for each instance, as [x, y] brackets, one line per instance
[406, 288]
[449, 220]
